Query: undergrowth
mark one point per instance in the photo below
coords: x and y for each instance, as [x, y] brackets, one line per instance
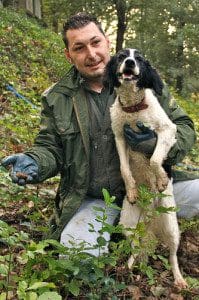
[49, 270]
[31, 60]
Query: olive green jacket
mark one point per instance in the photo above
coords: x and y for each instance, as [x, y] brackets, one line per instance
[62, 145]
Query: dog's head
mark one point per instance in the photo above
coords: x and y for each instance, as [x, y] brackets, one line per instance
[128, 66]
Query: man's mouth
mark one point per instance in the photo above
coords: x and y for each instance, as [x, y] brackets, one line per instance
[127, 75]
[93, 64]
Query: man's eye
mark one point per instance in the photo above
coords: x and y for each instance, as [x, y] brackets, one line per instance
[78, 48]
[96, 42]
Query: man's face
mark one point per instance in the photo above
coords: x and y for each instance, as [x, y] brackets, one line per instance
[88, 50]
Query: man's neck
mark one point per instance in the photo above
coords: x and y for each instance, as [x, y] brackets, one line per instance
[95, 84]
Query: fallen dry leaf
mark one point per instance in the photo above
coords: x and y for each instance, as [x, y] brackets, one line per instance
[30, 204]
[135, 292]
[176, 297]
[158, 290]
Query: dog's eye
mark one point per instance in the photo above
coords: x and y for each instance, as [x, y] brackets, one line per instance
[121, 56]
[139, 58]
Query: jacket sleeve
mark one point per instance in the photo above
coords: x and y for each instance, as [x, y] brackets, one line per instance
[47, 149]
[185, 136]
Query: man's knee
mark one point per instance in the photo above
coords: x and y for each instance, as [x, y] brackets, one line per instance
[186, 194]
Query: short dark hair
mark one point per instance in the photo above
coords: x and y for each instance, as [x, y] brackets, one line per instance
[77, 21]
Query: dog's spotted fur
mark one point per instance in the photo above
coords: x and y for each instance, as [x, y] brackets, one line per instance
[134, 80]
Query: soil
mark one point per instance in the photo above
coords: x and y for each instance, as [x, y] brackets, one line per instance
[138, 287]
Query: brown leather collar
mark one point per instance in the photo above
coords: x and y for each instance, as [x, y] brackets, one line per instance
[134, 108]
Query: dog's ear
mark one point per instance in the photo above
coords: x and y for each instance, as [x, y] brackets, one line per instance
[157, 84]
[151, 79]
[110, 74]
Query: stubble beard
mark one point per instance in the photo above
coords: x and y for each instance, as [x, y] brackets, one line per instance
[95, 76]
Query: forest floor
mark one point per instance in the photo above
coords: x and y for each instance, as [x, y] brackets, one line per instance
[137, 286]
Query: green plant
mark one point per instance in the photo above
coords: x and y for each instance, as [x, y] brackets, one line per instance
[13, 241]
[192, 224]
[47, 269]
[75, 271]
[144, 242]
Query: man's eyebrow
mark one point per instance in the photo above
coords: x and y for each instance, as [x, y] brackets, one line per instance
[82, 42]
[96, 36]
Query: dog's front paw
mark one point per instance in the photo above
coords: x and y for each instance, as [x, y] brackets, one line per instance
[162, 183]
[180, 283]
[132, 195]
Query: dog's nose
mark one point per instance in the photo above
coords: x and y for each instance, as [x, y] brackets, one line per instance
[130, 63]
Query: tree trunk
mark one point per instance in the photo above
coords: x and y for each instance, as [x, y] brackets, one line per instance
[55, 23]
[121, 27]
[180, 77]
[180, 59]
[7, 2]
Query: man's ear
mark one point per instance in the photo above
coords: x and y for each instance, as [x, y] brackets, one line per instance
[108, 41]
[67, 55]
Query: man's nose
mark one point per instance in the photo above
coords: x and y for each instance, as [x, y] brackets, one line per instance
[91, 51]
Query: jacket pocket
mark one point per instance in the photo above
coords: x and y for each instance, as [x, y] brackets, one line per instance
[69, 134]
[65, 128]
[66, 125]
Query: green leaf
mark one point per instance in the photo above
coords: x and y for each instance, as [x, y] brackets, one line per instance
[100, 209]
[163, 209]
[107, 198]
[165, 262]
[109, 260]
[9, 296]
[74, 287]
[91, 227]
[50, 296]
[101, 241]
[115, 206]
[98, 272]
[41, 284]
[120, 286]
[3, 296]
[31, 296]
[3, 270]
[22, 286]
[106, 195]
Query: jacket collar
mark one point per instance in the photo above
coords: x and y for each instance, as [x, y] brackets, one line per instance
[69, 83]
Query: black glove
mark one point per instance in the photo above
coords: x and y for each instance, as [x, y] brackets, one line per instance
[144, 141]
[24, 168]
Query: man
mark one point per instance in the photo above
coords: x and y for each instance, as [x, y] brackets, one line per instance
[76, 139]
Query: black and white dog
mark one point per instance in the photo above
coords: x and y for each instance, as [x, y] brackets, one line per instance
[136, 84]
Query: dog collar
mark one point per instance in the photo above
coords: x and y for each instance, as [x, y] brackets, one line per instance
[134, 108]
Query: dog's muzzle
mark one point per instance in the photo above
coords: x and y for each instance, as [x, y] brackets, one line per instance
[128, 71]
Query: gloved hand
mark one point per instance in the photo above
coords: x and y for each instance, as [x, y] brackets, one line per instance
[24, 168]
[144, 141]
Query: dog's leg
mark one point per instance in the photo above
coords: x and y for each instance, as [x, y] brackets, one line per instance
[171, 235]
[179, 280]
[125, 170]
[165, 140]
[130, 216]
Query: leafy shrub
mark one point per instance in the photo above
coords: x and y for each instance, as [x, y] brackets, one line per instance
[31, 60]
